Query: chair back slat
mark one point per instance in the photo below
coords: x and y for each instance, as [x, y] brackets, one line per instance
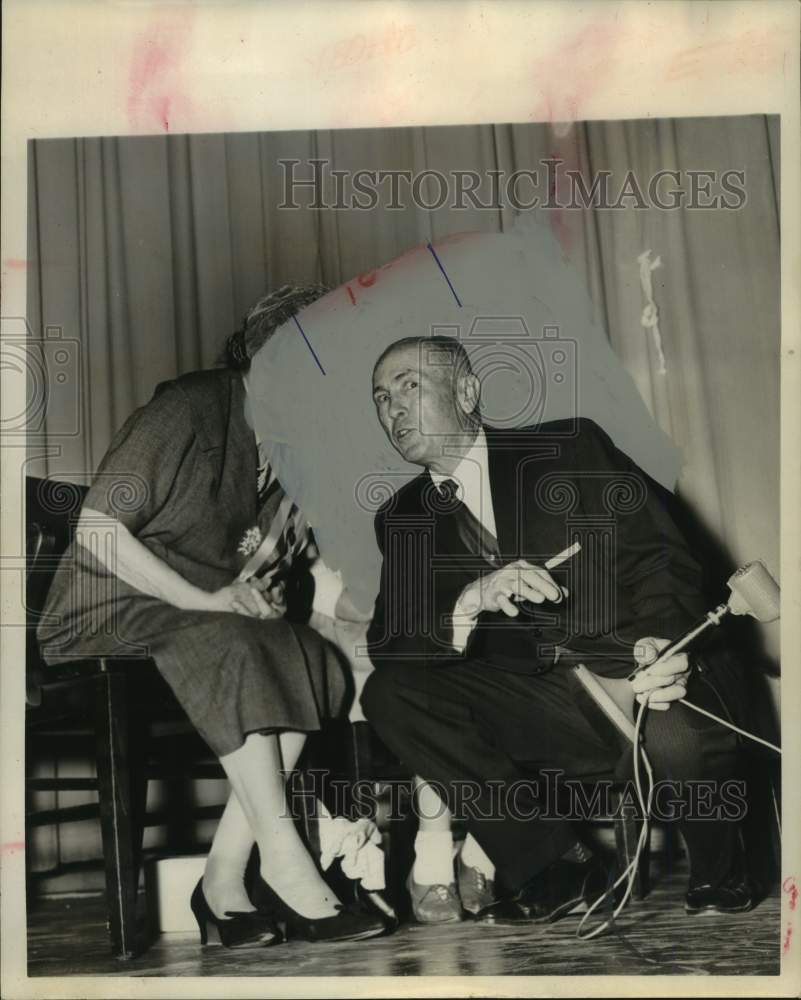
[52, 509]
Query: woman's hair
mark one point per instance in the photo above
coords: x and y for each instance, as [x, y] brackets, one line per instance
[262, 320]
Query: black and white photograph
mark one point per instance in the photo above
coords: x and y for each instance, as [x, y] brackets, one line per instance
[397, 550]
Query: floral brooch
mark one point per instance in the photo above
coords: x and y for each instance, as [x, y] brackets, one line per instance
[251, 540]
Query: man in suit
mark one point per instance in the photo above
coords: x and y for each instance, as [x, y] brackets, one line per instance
[473, 639]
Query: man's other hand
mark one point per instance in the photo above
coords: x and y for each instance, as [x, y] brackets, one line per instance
[663, 683]
[519, 581]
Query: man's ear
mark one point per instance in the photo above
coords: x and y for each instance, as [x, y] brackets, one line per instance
[468, 393]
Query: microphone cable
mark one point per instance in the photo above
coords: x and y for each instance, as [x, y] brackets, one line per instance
[730, 725]
[629, 874]
[644, 801]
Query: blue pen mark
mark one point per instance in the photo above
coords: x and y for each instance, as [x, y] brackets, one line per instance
[308, 344]
[444, 273]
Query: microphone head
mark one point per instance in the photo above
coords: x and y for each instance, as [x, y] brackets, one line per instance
[754, 592]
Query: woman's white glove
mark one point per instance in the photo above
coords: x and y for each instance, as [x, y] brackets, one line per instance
[357, 843]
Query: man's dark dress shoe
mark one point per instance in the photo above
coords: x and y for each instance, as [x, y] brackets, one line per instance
[561, 888]
[734, 895]
[235, 929]
[352, 921]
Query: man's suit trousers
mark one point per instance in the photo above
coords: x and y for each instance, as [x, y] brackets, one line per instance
[484, 737]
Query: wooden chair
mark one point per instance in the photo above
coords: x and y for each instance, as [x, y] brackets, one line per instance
[122, 712]
[110, 705]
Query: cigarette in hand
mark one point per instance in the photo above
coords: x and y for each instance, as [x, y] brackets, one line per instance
[563, 556]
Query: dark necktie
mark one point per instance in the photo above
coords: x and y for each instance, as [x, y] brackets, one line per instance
[477, 539]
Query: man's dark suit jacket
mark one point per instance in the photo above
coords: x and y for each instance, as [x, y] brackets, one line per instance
[561, 482]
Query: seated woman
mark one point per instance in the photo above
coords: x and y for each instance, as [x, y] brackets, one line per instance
[189, 502]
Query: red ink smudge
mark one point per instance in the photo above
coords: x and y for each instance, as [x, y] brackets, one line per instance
[12, 846]
[789, 886]
[16, 263]
[352, 296]
[560, 225]
[163, 113]
[787, 937]
[590, 53]
[368, 279]
[155, 83]
[445, 241]
[341, 54]
[752, 51]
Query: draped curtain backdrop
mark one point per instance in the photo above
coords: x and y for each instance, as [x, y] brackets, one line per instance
[148, 251]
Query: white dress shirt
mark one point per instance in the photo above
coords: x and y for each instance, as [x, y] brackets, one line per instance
[471, 476]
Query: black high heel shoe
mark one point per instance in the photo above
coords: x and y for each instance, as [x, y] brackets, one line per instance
[351, 922]
[241, 928]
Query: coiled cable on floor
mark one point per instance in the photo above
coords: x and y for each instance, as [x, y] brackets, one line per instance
[630, 873]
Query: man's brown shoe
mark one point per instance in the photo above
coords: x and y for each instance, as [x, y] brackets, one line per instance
[434, 904]
[476, 891]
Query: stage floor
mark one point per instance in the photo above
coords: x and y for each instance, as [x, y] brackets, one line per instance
[68, 937]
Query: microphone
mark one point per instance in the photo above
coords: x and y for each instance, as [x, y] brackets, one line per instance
[754, 592]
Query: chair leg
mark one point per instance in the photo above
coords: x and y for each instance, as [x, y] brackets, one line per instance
[119, 809]
[359, 755]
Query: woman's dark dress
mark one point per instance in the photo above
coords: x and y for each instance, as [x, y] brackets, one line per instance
[181, 476]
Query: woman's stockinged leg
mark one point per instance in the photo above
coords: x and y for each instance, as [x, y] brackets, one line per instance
[291, 745]
[255, 773]
[224, 875]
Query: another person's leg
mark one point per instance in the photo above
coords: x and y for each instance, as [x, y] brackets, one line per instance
[433, 845]
[431, 884]
[701, 760]
[478, 734]
[469, 885]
